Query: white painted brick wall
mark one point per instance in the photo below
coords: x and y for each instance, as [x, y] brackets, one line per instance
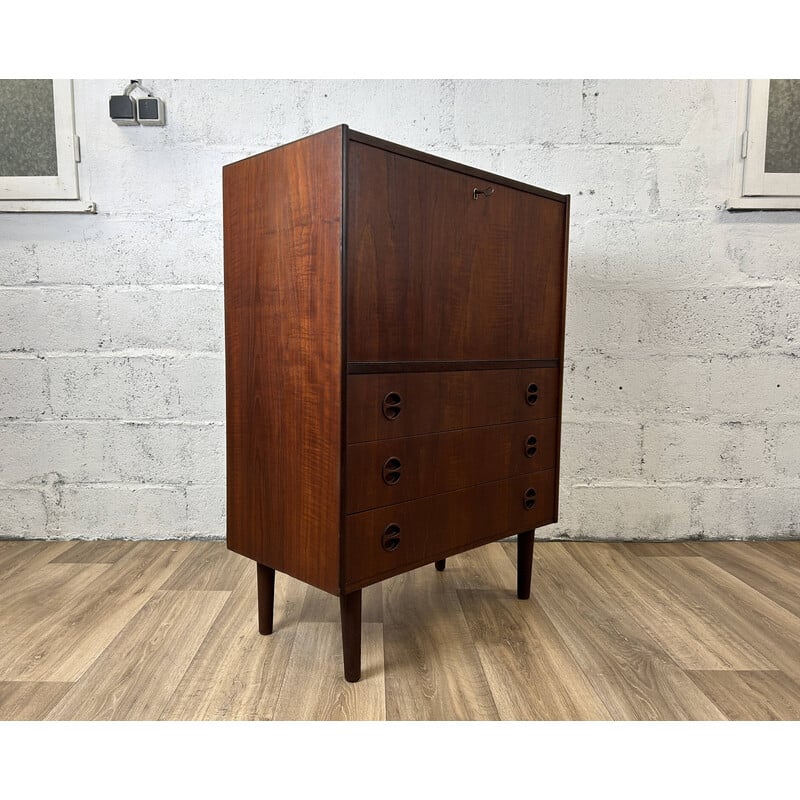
[629, 389]
[602, 451]
[645, 112]
[423, 109]
[496, 112]
[726, 321]
[137, 386]
[682, 383]
[731, 512]
[24, 513]
[165, 453]
[685, 451]
[613, 179]
[23, 387]
[787, 446]
[179, 318]
[756, 388]
[121, 252]
[31, 451]
[626, 512]
[766, 252]
[41, 318]
[642, 253]
[205, 509]
[108, 511]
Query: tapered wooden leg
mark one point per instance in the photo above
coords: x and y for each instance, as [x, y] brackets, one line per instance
[350, 607]
[440, 564]
[266, 597]
[524, 564]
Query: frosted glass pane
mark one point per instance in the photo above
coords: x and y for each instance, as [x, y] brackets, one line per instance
[783, 127]
[27, 128]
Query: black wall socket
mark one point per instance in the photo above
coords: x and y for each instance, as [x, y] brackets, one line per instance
[122, 109]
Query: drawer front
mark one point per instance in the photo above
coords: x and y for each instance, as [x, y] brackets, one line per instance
[392, 405]
[389, 471]
[436, 271]
[390, 540]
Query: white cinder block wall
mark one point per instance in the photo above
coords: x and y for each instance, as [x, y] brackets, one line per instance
[682, 395]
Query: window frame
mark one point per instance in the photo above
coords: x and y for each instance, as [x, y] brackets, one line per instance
[59, 192]
[753, 188]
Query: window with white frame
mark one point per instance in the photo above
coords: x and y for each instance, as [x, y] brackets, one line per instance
[39, 150]
[767, 174]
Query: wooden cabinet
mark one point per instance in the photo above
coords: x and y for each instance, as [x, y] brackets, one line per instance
[394, 327]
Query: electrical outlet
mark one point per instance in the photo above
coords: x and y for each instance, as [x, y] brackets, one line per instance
[150, 111]
[122, 109]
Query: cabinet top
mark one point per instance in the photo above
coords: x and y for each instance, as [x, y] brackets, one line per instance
[350, 135]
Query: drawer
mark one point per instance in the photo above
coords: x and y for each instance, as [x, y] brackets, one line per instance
[390, 540]
[388, 471]
[391, 405]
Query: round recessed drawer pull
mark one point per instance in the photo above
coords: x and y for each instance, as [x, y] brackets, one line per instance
[529, 498]
[391, 537]
[531, 393]
[392, 405]
[391, 470]
[530, 446]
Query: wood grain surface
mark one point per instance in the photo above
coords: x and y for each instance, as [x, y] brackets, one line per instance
[628, 669]
[531, 670]
[319, 606]
[439, 526]
[236, 674]
[30, 699]
[447, 401]
[18, 556]
[282, 220]
[317, 650]
[759, 568]
[95, 552]
[432, 669]
[746, 695]
[62, 645]
[464, 169]
[443, 462]
[210, 568]
[435, 273]
[740, 610]
[141, 668]
[609, 632]
[676, 619]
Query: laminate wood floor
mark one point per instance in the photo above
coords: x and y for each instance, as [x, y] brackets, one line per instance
[167, 631]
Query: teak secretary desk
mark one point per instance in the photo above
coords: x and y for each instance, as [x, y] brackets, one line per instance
[394, 329]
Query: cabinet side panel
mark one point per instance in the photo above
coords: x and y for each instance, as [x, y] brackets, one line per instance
[562, 331]
[283, 348]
